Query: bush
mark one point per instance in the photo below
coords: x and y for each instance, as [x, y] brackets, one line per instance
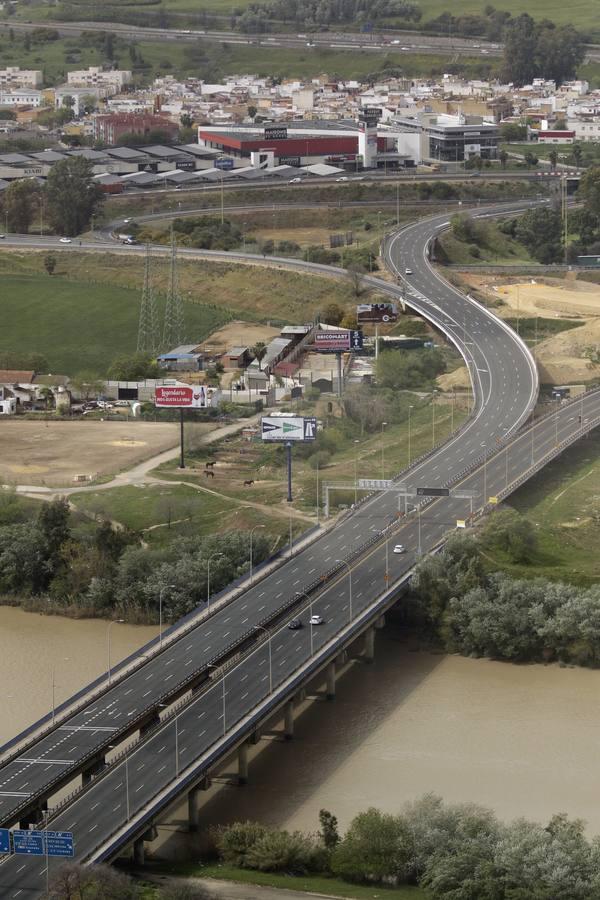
[320, 459]
[376, 847]
[235, 841]
[284, 851]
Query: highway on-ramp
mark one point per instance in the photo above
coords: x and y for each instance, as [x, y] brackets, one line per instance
[505, 385]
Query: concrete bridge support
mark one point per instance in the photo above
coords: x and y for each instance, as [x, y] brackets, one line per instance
[288, 722]
[92, 770]
[35, 816]
[243, 763]
[380, 623]
[369, 654]
[138, 853]
[331, 673]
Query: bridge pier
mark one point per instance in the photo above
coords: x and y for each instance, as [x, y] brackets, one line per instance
[149, 724]
[380, 622]
[35, 816]
[331, 681]
[369, 654]
[256, 736]
[288, 721]
[138, 853]
[243, 763]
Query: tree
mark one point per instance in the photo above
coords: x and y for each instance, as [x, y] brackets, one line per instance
[252, 110]
[355, 274]
[589, 192]
[20, 201]
[186, 120]
[87, 383]
[329, 833]
[133, 367]
[503, 155]
[72, 196]
[577, 152]
[541, 232]
[259, 352]
[332, 314]
[530, 159]
[375, 847]
[511, 533]
[77, 882]
[50, 263]
[553, 157]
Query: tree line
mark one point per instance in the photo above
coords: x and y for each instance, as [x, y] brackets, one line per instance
[66, 202]
[307, 14]
[455, 851]
[469, 610]
[101, 570]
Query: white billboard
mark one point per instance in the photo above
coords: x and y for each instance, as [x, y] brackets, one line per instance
[288, 428]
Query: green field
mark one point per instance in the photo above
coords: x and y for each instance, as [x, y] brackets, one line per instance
[563, 503]
[77, 324]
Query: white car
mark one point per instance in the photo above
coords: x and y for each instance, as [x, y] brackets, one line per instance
[342, 178]
[126, 221]
[408, 272]
[316, 620]
[399, 548]
[295, 180]
[65, 240]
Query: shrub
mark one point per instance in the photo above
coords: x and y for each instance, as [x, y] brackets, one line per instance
[235, 841]
[284, 851]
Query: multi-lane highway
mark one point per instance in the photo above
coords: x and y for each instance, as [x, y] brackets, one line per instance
[505, 383]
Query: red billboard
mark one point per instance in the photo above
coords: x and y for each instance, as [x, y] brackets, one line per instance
[181, 395]
[333, 340]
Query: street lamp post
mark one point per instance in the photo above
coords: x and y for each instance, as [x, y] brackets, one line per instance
[344, 563]
[210, 559]
[433, 419]
[212, 666]
[356, 473]
[409, 454]
[65, 659]
[252, 530]
[484, 445]
[383, 424]
[268, 633]
[310, 603]
[160, 610]
[110, 625]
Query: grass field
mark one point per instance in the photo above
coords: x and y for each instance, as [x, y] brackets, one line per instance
[80, 325]
[87, 313]
[498, 248]
[563, 502]
[313, 884]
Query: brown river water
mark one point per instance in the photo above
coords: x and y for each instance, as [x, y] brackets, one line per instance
[524, 740]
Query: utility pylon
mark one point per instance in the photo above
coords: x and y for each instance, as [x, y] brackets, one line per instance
[148, 337]
[174, 326]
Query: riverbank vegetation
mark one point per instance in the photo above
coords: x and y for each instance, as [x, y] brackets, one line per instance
[457, 601]
[51, 561]
[449, 851]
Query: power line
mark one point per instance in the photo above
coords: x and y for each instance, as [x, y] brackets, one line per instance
[174, 324]
[147, 341]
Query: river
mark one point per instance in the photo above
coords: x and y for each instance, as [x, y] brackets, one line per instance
[32, 645]
[524, 740]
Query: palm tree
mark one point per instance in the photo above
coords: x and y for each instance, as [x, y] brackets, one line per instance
[553, 157]
[258, 351]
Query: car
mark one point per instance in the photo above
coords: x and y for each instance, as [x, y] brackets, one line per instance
[295, 180]
[294, 624]
[2, 236]
[316, 620]
[399, 548]
[309, 44]
[65, 241]
[396, 41]
[126, 221]
[342, 178]
[408, 271]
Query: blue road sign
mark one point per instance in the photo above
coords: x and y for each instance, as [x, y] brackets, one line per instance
[29, 843]
[60, 843]
[4, 840]
[356, 340]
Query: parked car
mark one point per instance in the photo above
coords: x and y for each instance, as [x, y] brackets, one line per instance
[294, 624]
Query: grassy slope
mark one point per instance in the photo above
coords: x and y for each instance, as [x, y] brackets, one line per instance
[499, 248]
[564, 504]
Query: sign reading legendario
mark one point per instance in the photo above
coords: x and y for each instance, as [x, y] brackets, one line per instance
[182, 396]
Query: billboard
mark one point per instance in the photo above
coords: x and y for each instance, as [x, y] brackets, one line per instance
[376, 312]
[288, 428]
[182, 396]
[224, 162]
[339, 341]
[276, 133]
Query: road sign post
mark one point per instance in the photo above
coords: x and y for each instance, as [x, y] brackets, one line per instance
[289, 429]
[4, 840]
[288, 447]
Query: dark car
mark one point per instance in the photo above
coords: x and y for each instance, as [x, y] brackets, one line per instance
[294, 624]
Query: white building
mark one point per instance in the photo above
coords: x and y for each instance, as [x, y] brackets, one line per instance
[96, 76]
[21, 97]
[14, 77]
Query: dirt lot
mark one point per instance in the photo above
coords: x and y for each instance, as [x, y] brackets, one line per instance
[53, 453]
[238, 334]
[560, 357]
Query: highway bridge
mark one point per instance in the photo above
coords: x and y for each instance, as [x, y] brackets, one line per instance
[126, 751]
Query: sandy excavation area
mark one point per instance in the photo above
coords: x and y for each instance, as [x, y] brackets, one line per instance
[238, 334]
[560, 358]
[54, 453]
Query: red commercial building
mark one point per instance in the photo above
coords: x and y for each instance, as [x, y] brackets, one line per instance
[109, 129]
[289, 146]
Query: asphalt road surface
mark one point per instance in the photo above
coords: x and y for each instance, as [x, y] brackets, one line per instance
[506, 388]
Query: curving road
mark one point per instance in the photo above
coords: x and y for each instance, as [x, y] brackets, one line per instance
[505, 384]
